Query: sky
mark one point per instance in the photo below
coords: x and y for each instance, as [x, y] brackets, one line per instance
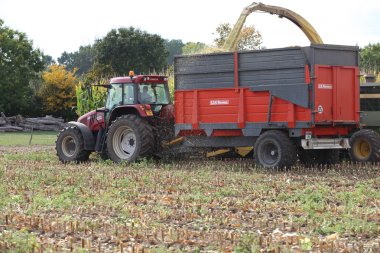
[58, 26]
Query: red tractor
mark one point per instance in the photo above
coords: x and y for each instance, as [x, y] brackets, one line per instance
[137, 117]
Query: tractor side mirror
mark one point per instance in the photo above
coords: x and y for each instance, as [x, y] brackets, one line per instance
[107, 86]
[102, 110]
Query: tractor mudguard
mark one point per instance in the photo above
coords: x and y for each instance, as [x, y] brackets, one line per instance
[88, 137]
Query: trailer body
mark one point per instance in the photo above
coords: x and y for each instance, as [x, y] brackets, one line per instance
[311, 93]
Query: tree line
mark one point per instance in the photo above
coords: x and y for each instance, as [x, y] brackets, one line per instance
[34, 84]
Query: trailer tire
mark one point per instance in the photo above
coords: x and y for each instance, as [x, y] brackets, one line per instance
[70, 145]
[129, 138]
[365, 146]
[274, 149]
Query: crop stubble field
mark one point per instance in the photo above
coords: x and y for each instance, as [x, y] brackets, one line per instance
[183, 205]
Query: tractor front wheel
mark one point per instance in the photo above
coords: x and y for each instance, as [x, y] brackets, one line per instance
[129, 138]
[70, 146]
[365, 146]
[274, 149]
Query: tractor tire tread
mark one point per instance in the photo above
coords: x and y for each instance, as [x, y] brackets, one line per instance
[82, 155]
[145, 132]
[374, 140]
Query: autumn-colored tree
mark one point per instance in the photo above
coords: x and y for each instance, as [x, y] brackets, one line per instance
[249, 37]
[58, 91]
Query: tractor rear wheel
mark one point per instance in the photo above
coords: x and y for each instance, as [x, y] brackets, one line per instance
[274, 149]
[70, 146]
[129, 138]
[365, 146]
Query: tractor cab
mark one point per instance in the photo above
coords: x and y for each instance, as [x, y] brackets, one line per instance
[149, 93]
[143, 95]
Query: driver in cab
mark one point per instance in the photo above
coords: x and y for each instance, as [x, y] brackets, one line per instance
[145, 98]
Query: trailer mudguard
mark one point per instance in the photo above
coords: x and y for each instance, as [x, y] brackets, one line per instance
[88, 137]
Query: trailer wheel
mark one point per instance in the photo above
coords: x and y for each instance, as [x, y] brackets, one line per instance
[319, 157]
[129, 138]
[274, 149]
[365, 146]
[70, 146]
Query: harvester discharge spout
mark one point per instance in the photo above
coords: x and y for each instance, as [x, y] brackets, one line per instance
[232, 40]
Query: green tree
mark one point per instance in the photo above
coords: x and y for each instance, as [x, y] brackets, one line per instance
[82, 60]
[48, 60]
[370, 58]
[194, 48]
[126, 49]
[20, 65]
[249, 38]
[174, 47]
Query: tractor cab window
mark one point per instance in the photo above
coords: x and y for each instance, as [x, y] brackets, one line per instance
[120, 94]
[370, 98]
[153, 94]
[129, 94]
[115, 96]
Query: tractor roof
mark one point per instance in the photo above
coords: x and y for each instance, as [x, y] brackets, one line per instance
[140, 79]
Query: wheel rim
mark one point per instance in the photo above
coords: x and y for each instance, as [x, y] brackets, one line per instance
[124, 142]
[269, 153]
[362, 149]
[69, 146]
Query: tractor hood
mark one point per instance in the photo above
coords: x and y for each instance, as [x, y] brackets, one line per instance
[87, 117]
[92, 119]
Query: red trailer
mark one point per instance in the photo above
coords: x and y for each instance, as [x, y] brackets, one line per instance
[287, 103]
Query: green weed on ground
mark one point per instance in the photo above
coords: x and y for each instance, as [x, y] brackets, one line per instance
[188, 205]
